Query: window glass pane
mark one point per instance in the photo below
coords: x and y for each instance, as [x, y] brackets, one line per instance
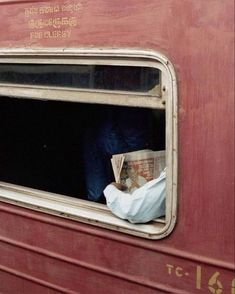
[103, 77]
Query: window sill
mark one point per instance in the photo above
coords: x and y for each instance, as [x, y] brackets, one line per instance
[80, 210]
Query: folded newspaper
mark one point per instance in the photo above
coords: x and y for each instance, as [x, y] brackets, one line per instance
[136, 168]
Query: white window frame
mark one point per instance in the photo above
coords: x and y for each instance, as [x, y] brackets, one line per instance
[166, 98]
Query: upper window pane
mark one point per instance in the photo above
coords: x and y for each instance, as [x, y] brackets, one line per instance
[102, 77]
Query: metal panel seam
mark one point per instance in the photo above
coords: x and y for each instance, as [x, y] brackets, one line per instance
[119, 275]
[132, 242]
[35, 280]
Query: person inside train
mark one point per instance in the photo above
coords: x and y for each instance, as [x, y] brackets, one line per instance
[143, 205]
[112, 130]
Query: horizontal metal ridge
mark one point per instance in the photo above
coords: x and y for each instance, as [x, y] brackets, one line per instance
[133, 241]
[129, 278]
[36, 280]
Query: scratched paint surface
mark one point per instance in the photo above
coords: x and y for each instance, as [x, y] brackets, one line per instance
[68, 254]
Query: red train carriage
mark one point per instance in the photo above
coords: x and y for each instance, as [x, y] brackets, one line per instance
[62, 65]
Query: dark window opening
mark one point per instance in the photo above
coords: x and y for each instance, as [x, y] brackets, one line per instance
[42, 143]
[96, 77]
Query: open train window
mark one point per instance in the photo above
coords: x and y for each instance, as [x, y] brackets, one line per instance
[44, 138]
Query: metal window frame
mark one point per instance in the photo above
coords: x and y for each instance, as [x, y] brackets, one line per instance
[82, 210]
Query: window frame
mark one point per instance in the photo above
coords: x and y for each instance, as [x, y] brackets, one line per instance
[166, 98]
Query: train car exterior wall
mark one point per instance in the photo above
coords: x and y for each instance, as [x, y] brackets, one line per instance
[41, 253]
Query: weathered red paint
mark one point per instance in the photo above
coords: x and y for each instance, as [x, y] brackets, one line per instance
[45, 254]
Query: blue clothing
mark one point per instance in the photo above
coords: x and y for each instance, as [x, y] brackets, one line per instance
[112, 131]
